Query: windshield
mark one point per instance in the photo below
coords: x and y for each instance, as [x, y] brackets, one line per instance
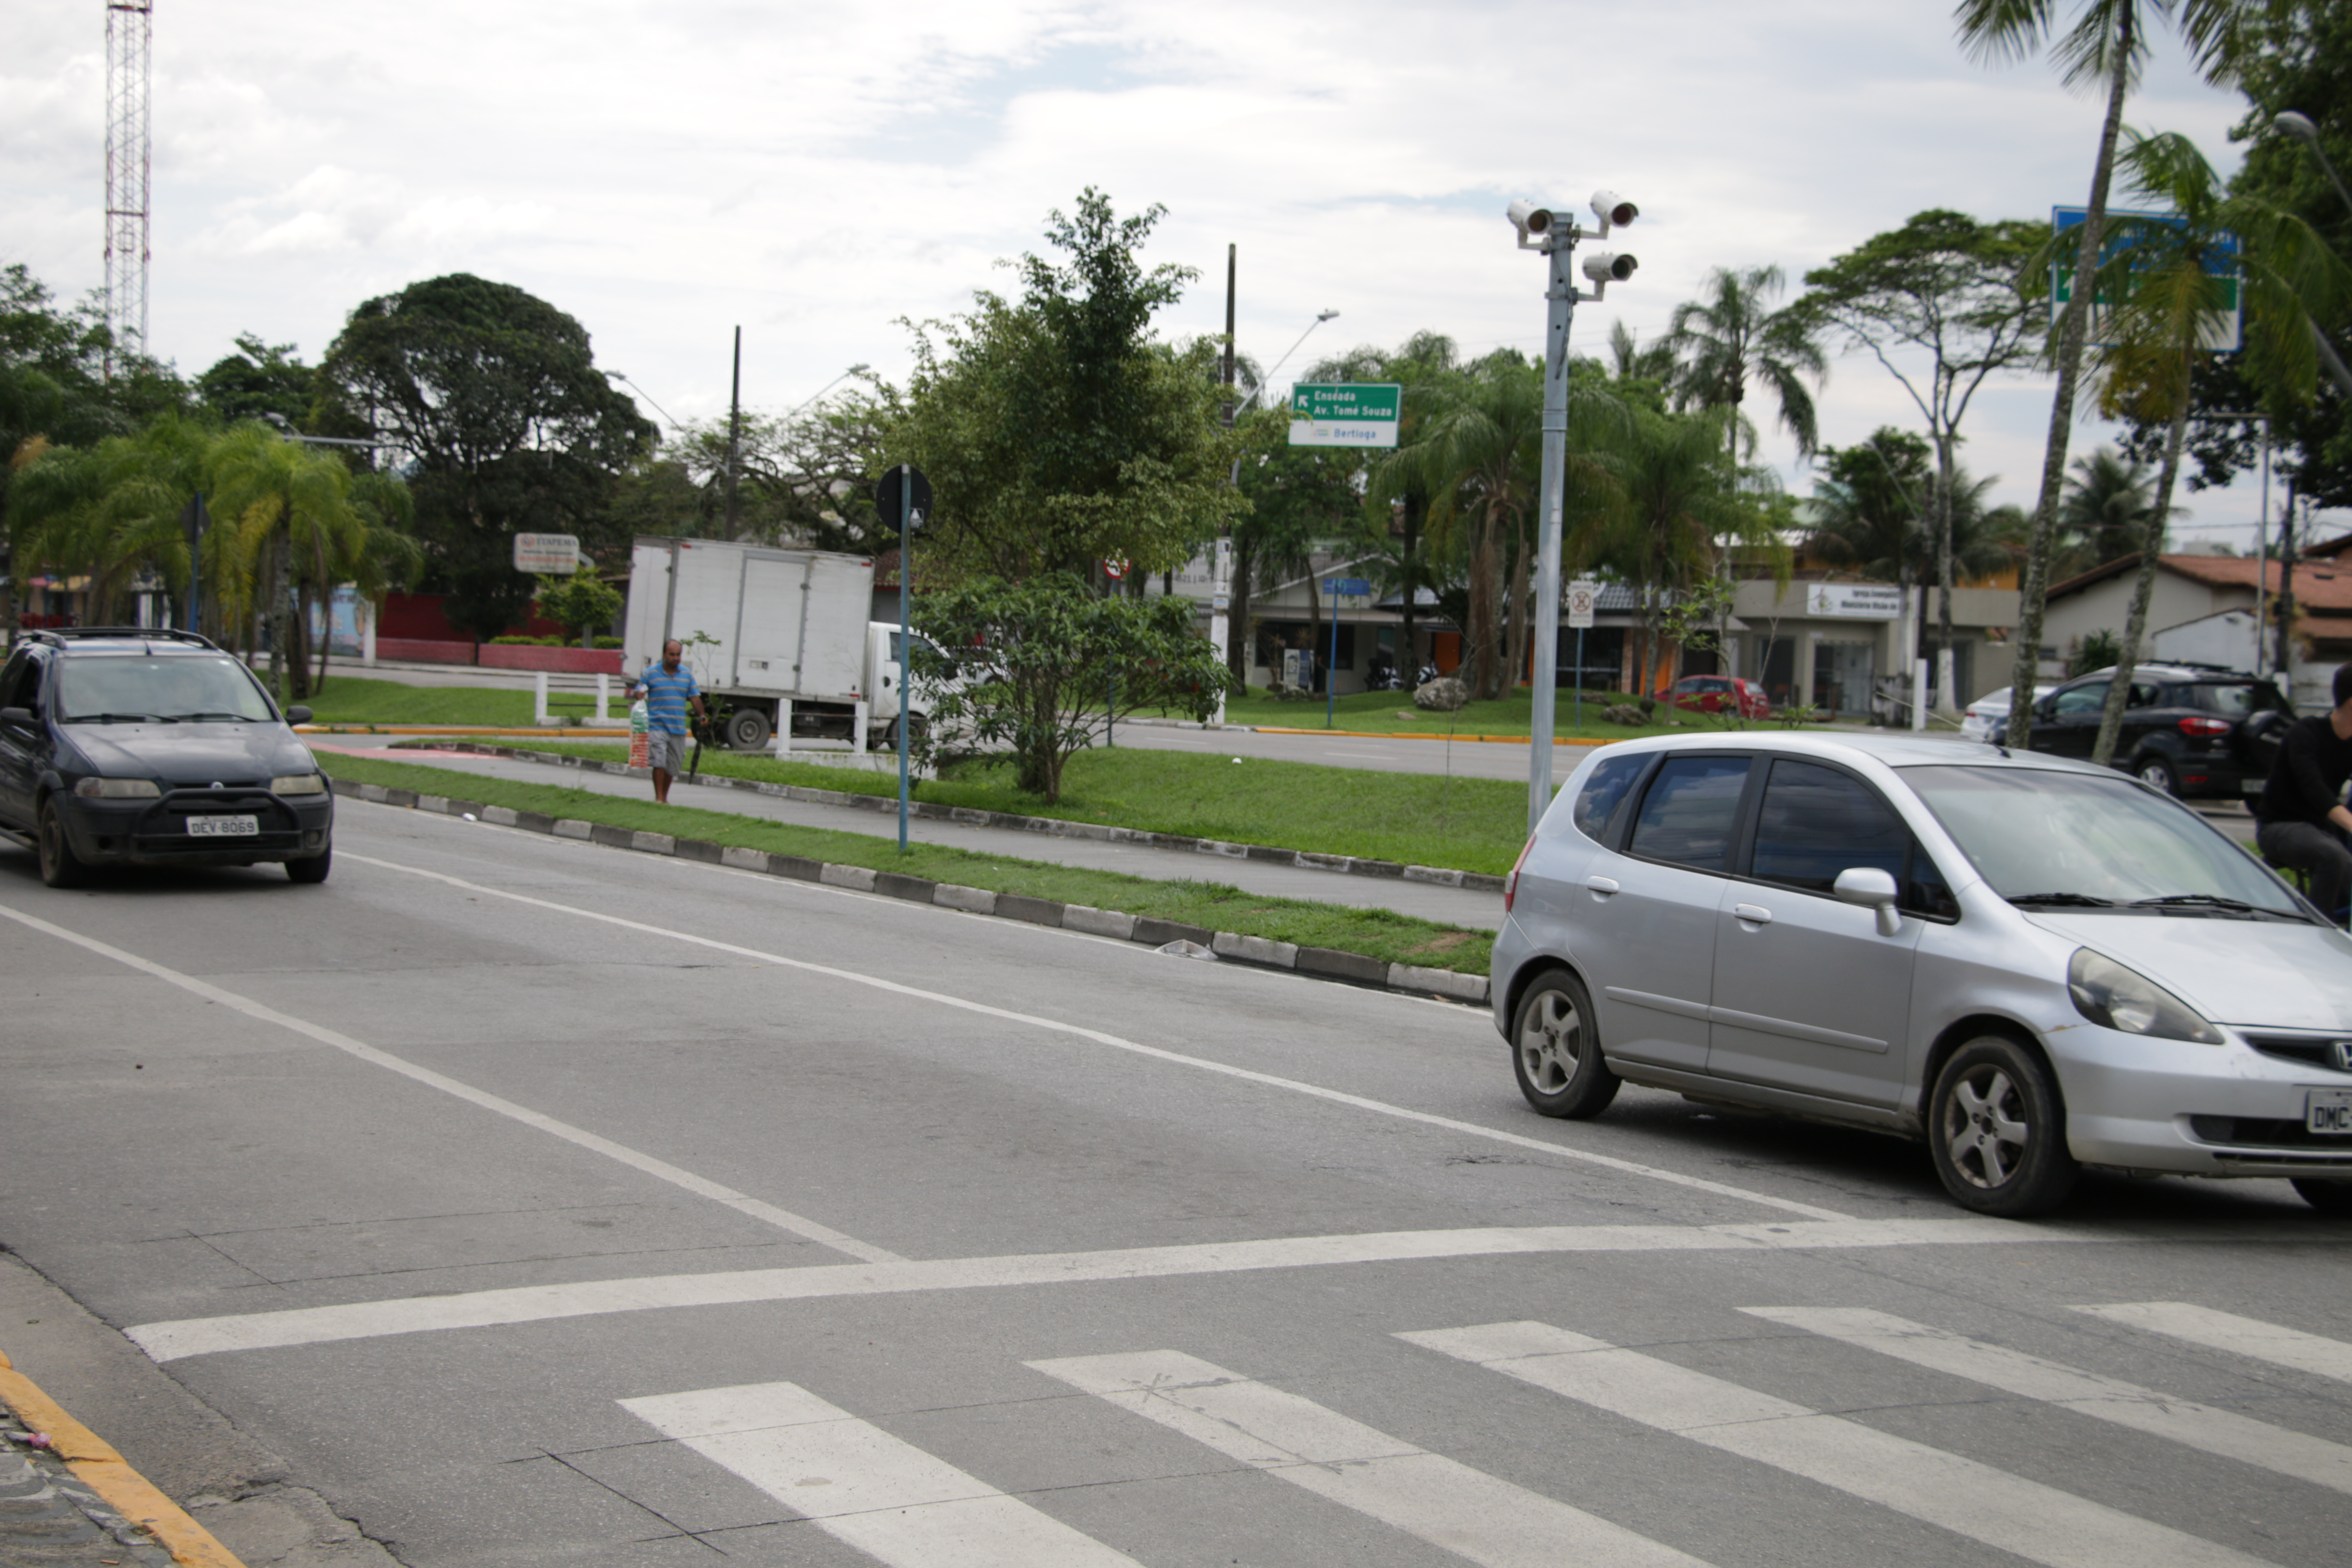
[2091, 840]
[174, 687]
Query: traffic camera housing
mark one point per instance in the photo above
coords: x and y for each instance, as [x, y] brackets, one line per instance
[1608, 267]
[1613, 210]
[1532, 221]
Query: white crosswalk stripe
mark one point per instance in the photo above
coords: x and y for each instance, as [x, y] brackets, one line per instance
[2228, 1332]
[1438, 1499]
[861, 1485]
[1974, 1501]
[2201, 1427]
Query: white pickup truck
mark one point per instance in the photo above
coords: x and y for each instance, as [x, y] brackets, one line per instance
[778, 639]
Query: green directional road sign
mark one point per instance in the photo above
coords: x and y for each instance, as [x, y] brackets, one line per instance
[1344, 414]
[2221, 332]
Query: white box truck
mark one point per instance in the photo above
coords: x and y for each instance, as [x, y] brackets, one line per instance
[775, 637]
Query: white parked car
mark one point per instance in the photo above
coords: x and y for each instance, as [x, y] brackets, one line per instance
[1986, 717]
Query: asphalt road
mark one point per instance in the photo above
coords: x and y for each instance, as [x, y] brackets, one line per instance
[539, 1202]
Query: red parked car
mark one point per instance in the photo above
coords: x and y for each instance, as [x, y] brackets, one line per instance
[1718, 694]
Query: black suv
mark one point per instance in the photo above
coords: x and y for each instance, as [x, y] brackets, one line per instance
[124, 745]
[2188, 728]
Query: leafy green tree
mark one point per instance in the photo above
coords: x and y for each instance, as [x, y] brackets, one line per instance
[1299, 498]
[1030, 667]
[1396, 503]
[2104, 48]
[803, 479]
[1675, 499]
[1730, 337]
[2299, 61]
[1948, 289]
[261, 379]
[2104, 511]
[1054, 430]
[2162, 299]
[582, 604]
[1882, 505]
[508, 427]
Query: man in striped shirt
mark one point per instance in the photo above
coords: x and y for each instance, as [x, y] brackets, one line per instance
[668, 689]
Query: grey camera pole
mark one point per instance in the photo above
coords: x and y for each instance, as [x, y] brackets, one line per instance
[1562, 295]
[905, 638]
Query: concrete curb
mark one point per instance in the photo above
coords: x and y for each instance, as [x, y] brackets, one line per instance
[1322, 963]
[1053, 827]
[108, 1474]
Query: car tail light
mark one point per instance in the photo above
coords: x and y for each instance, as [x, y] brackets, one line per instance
[2204, 726]
[1511, 883]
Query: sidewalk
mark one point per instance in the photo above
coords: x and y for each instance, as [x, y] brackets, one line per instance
[1468, 908]
[185, 1490]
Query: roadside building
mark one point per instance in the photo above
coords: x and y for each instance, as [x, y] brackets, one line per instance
[2208, 609]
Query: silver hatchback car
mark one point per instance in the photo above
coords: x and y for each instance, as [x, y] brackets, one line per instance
[2031, 963]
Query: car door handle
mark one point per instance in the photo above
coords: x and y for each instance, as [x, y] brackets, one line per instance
[1754, 914]
[1604, 886]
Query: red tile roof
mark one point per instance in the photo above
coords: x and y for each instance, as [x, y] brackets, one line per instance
[2319, 585]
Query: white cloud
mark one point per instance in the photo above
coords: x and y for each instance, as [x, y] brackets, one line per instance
[666, 171]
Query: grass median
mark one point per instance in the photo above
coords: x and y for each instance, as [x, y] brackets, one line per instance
[355, 700]
[1381, 935]
[1414, 819]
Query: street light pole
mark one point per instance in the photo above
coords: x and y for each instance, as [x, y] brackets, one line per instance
[1540, 231]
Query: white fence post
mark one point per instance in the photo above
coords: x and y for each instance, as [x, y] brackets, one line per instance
[782, 741]
[539, 687]
[603, 698]
[1918, 694]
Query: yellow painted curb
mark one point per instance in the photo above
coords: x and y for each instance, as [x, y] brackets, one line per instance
[110, 1475]
[1426, 735]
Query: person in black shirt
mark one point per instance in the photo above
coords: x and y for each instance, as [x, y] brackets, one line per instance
[2301, 811]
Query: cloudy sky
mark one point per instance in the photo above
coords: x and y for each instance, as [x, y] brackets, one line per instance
[815, 172]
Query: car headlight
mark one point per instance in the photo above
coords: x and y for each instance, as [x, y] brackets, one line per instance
[2107, 993]
[116, 789]
[297, 783]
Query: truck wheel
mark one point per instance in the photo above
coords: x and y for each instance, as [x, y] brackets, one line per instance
[890, 734]
[748, 729]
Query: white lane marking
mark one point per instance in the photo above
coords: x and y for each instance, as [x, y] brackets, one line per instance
[1438, 1499]
[661, 1170]
[2219, 1432]
[1294, 1086]
[2228, 1332]
[540, 1303]
[1975, 1501]
[860, 1485]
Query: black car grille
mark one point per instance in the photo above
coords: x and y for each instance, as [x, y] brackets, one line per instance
[2302, 1049]
[163, 829]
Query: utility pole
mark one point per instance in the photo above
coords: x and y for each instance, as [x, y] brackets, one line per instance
[735, 436]
[1221, 549]
[2286, 594]
[1540, 231]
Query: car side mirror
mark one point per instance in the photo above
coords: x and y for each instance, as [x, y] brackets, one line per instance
[297, 714]
[1872, 889]
[20, 717]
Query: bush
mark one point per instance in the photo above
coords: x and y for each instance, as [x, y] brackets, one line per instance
[527, 642]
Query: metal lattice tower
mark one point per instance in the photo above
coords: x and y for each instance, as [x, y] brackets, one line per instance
[129, 26]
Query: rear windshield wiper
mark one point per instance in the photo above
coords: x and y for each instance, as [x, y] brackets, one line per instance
[2080, 900]
[119, 719]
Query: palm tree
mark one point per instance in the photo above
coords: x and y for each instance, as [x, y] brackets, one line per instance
[1629, 361]
[2166, 288]
[2104, 513]
[287, 519]
[2106, 44]
[1478, 454]
[1674, 501]
[1730, 337]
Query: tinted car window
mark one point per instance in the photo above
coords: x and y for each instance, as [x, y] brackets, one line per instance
[2080, 702]
[1690, 810]
[1816, 821]
[1604, 786]
[177, 686]
[2232, 700]
[20, 684]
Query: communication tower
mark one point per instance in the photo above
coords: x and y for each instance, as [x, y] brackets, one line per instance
[129, 26]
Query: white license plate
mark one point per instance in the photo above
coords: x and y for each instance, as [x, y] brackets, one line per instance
[2252, 786]
[2329, 1110]
[243, 827]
